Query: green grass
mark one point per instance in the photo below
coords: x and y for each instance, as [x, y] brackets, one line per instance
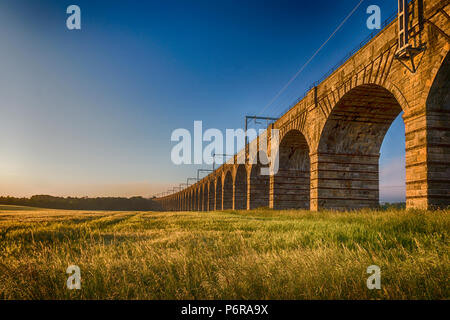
[260, 254]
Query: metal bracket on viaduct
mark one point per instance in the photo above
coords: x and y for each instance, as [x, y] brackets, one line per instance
[330, 140]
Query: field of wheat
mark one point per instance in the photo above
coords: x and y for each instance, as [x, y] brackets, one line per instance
[260, 254]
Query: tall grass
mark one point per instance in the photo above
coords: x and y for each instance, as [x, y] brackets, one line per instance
[259, 254]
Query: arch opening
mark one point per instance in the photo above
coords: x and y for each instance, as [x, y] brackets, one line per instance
[438, 139]
[240, 188]
[218, 193]
[205, 197]
[188, 201]
[194, 200]
[392, 165]
[211, 196]
[290, 186]
[197, 199]
[259, 188]
[345, 170]
[228, 191]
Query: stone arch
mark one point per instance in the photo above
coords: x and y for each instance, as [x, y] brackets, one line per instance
[193, 206]
[211, 195]
[438, 139]
[180, 201]
[218, 193]
[240, 188]
[198, 202]
[290, 186]
[200, 197]
[187, 202]
[259, 188]
[196, 197]
[439, 96]
[344, 170]
[183, 201]
[228, 190]
[381, 82]
[205, 197]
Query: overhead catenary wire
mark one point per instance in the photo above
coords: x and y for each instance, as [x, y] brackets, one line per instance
[309, 60]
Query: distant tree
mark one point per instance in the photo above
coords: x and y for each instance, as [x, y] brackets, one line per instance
[85, 203]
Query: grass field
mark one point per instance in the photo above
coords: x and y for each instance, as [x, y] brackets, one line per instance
[260, 254]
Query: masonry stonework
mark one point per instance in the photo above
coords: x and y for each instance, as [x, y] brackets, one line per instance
[330, 140]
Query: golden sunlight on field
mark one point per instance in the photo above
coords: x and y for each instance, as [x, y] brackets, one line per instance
[260, 254]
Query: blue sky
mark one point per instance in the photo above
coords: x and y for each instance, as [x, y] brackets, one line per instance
[90, 112]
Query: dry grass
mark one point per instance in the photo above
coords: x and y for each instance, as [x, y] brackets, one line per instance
[260, 254]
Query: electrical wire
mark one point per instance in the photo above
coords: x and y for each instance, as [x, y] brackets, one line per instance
[310, 59]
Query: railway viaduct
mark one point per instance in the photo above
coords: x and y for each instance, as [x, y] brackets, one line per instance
[330, 140]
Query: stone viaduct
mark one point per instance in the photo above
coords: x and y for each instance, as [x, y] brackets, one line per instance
[330, 140]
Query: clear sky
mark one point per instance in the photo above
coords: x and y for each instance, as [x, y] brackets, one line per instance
[90, 112]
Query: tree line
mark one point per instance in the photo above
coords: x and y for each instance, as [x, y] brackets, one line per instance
[84, 203]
